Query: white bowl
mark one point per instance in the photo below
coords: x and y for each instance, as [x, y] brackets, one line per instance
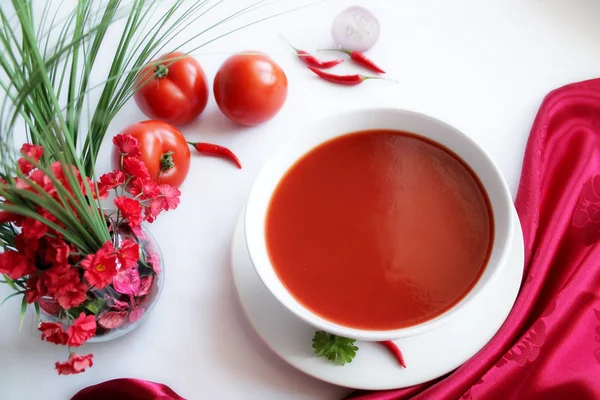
[367, 119]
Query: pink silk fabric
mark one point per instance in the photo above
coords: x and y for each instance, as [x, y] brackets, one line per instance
[127, 389]
[549, 347]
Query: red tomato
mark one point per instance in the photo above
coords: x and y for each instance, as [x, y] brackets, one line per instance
[164, 151]
[175, 93]
[250, 88]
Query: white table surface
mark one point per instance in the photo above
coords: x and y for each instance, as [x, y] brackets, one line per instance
[483, 66]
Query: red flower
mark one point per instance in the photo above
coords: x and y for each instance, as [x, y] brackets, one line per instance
[110, 181]
[35, 289]
[56, 250]
[131, 209]
[59, 171]
[33, 229]
[127, 145]
[147, 187]
[73, 297]
[15, 264]
[6, 216]
[136, 168]
[60, 279]
[44, 213]
[101, 267]
[129, 254]
[65, 286]
[75, 364]
[30, 151]
[53, 332]
[171, 195]
[81, 330]
[27, 248]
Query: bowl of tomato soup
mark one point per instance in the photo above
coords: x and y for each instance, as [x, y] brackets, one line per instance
[378, 224]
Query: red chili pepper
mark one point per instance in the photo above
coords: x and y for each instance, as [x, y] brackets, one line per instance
[216, 150]
[391, 346]
[350, 80]
[361, 59]
[313, 61]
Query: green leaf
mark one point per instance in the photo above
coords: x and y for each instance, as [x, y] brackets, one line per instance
[335, 348]
[10, 282]
[37, 310]
[75, 311]
[94, 306]
[23, 311]
[10, 296]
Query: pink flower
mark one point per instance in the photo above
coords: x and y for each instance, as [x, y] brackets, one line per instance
[15, 264]
[131, 210]
[129, 254]
[101, 267]
[127, 282]
[167, 199]
[75, 364]
[81, 330]
[53, 332]
[35, 289]
[127, 145]
[30, 151]
[110, 181]
[147, 187]
[157, 205]
[112, 319]
[135, 168]
[154, 259]
[171, 195]
[136, 315]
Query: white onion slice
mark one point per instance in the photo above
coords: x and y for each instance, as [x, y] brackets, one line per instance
[355, 28]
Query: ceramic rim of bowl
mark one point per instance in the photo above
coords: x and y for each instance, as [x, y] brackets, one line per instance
[370, 119]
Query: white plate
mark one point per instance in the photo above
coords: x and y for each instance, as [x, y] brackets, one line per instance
[428, 356]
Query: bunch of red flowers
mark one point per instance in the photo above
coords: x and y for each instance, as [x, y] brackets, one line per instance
[61, 278]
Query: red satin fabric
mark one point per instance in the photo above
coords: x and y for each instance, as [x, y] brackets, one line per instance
[549, 347]
[127, 389]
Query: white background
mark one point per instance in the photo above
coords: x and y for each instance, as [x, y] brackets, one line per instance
[483, 66]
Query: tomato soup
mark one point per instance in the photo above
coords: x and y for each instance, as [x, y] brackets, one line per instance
[379, 230]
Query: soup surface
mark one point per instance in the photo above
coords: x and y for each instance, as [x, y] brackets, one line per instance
[379, 230]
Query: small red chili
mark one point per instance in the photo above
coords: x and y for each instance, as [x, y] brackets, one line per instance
[216, 150]
[313, 61]
[395, 350]
[361, 59]
[350, 80]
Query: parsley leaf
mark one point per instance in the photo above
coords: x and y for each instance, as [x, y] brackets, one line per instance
[338, 349]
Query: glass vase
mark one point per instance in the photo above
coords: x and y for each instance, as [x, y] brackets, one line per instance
[118, 308]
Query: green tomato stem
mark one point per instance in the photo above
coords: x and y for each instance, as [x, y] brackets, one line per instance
[161, 71]
[166, 162]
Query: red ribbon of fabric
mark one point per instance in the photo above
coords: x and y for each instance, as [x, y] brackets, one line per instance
[127, 389]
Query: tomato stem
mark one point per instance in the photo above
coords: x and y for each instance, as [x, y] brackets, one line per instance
[166, 161]
[161, 71]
